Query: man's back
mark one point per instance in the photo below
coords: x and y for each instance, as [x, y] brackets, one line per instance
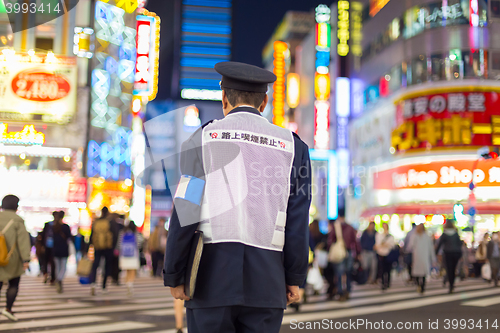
[102, 236]
[16, 236]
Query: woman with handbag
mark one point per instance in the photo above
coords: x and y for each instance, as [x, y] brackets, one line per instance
[384, 244]
[62, 235]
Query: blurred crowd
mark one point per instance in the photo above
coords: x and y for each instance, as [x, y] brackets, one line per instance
[343, 256]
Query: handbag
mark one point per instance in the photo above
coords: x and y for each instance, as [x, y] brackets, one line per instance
[486, 271]
[84, 267]
[315, 278]
[321, 258]
[337, 251]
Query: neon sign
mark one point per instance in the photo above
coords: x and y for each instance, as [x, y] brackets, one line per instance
[28, 136]
[128, 5]
[148, 43]
[343, 28]
[83, 46]
[356, 28]
[376, 6]
[111, 160]
[293, 90]
[322, 78]
[279, 84]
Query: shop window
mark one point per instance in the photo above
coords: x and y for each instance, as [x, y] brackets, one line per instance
[46, 44]
[495, 61]
[438, 67]
[419, 70]
[495, 8]
[474, 63]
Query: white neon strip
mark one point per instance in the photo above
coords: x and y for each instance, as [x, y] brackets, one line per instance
[203, 94]
[35, 151]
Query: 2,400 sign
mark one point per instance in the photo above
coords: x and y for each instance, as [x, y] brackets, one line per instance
[40, 86]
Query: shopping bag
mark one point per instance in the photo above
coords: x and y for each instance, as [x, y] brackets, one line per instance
[358, 274]
[84, 267]
[84, 280]
[321, 258]
[315, 278]
[486, 271]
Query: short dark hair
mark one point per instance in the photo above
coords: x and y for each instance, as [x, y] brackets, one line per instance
[10, 202]
[236, 97]
[131, 226]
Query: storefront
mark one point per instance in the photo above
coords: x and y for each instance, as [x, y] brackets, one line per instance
[426, 156]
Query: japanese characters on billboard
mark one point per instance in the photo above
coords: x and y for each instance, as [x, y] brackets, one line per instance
[457, 173]
[37, 88]
[452, 119]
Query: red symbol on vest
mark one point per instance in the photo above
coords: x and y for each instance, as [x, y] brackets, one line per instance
[282, 144]
[214, 135]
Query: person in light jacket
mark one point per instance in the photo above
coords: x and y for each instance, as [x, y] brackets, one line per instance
[423, 255]
[15, 236]
[384, 243]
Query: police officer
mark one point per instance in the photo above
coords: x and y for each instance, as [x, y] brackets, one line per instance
[246, 184]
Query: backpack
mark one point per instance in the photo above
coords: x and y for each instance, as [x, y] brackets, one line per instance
[102, 237]
[129, 245]
[4, 251]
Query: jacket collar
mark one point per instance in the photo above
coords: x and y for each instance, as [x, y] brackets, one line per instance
[245, 109]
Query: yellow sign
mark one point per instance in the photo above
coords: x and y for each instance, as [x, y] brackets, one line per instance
[28, 136]
[356, 28]
[279, 85]
[293, 90]
[128, 5]
[343, 28]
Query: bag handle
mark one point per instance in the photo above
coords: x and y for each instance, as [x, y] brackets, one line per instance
[338, 232]
[7, 226]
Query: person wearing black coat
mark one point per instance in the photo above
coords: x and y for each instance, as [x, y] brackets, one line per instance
[62, 235]
[452, 248]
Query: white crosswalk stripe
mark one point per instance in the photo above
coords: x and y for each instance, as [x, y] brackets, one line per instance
[150, 310]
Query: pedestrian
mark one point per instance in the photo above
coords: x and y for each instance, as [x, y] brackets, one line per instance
[40, 252]
[62, 237]
[102, 239]
[408, 252]
[493, 255]
[157, 244]
[423, 255]
[329, 271]
[369, 260]
[19, 247]
[452, 251]
[256, 197]
[343, 269]
[129, 243]
[48, 243]
[116, 222]
[384, 244]
[481, 255]
[80, 245]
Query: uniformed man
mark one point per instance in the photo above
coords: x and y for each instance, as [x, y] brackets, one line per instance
[246, 184]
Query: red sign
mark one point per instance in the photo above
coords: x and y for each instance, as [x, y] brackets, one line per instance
[40, 86]
[439, 174]
[77, 191]
[448, 119]
[143, 40]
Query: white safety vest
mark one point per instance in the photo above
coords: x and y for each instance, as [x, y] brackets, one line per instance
[248, 164]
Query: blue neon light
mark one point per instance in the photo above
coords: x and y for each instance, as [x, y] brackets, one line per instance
[200, 83]
[322, 58]
[203, 15]
[208, 3]
[206, 50]
[200, 62]
[204, 28]
[332, 191]
[205, 39]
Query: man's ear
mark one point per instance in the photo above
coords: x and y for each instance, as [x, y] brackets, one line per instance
[264, 103]
[225, 103]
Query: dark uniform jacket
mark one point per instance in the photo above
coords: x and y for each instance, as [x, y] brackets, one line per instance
[233, 273]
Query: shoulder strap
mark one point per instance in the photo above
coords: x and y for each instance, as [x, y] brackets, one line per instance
[338, 232]
[7, 226]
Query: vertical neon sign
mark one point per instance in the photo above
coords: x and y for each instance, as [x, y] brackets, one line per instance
[279, 85]
[322, 79]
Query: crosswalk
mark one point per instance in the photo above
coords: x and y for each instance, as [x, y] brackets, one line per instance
[150, 310]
